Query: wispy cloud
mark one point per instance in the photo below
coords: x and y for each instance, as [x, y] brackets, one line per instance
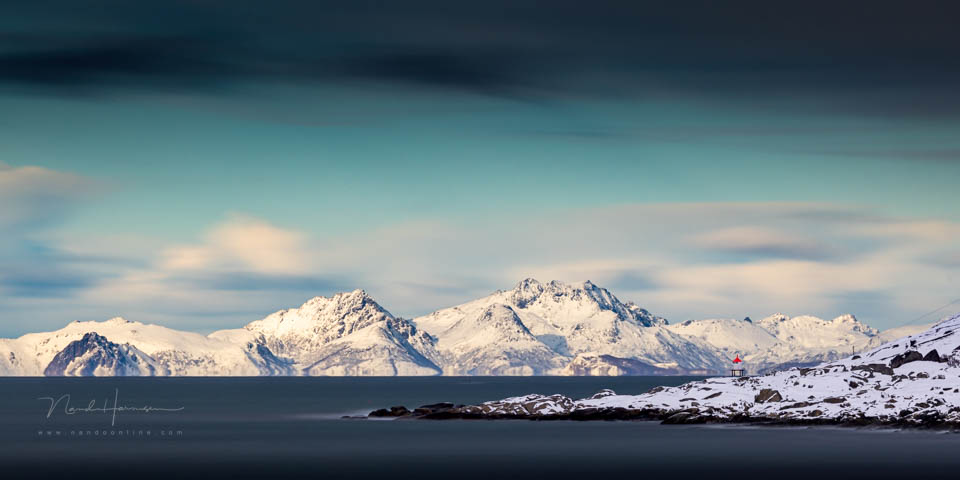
[243, 243]
[674, 259]
[34, 196]
[754, 242]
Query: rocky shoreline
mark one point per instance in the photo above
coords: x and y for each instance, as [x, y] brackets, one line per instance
[905, 383]
[686, 416]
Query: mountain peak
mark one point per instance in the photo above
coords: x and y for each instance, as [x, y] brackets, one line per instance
[357, 294]
[319, 321]
[527, 291]
[528, 282]
[94, 354]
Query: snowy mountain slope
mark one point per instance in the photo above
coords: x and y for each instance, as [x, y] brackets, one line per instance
[909, 381]
[94, 355]
[572, 319]
[779, 341]
[346, 334]
[897, 333]
[496, 342]
[381, 349]
[553, 308]
[816, 333]
[174, 352]
[727, 334]
[592, 364]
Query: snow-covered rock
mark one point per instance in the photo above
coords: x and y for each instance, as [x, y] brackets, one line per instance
[911, 381]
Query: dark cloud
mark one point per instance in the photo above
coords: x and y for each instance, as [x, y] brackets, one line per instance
[110, 61]
[482, 73]
[506, 48]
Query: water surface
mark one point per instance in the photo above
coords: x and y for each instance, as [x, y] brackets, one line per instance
[291, 428]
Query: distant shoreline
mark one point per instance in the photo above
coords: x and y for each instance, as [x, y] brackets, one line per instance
[665, 417]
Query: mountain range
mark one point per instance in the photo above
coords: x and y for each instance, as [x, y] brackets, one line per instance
[535, 328]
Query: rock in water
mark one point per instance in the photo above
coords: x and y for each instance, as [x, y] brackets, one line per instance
[397, 411]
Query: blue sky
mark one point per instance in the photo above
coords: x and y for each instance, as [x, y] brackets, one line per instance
[205, 186]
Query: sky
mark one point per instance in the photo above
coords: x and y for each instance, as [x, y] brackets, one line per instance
[203, 163]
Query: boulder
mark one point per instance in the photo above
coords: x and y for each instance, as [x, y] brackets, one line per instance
[398, 411]
[874, 367]
[904, 358]
[932, 356]
[768, 395]
[678, 418]
[606, 392]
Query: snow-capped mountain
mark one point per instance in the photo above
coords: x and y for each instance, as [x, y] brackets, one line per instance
[533, 329]
[779, 341]
[94, 355]
[568, 320]
[346, 334]
[172, 352]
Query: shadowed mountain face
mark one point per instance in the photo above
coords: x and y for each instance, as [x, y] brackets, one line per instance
[94, 355]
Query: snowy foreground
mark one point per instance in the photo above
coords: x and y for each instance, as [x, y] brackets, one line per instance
[913, 381]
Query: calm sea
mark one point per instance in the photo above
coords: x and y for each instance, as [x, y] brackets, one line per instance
[291, 428]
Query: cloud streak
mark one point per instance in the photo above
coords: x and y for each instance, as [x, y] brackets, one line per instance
[673, 259]
[505, 49]
[35, 196]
